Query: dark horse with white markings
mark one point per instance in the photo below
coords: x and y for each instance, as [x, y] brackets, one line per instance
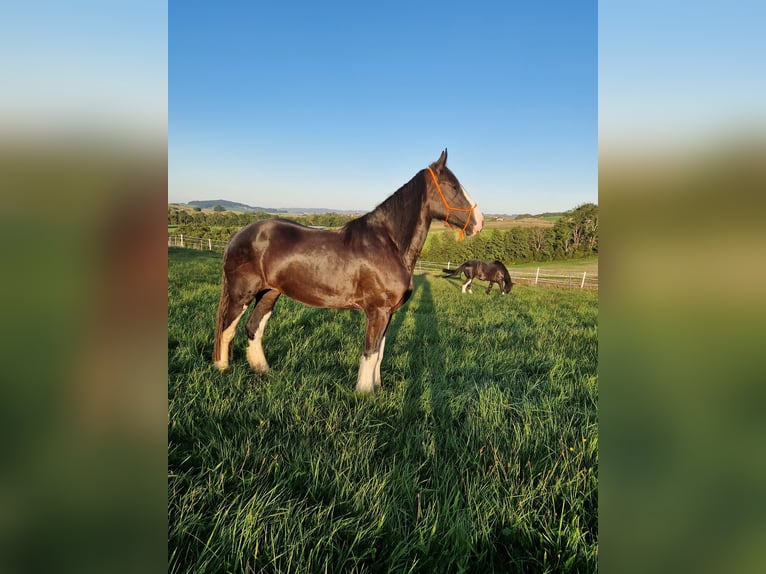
[494, 272]
[366, 265]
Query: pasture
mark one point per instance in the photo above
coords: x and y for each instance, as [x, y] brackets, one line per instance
[481, 454]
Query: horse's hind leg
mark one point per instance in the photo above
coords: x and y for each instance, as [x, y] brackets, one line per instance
[222, 352]
[236, 295]
[265, 301]
[467, 285]
[489, 287]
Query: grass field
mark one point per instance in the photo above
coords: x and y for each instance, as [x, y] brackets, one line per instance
[504, 223]
[481, 454]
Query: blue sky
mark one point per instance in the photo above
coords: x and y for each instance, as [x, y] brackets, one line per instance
[678, 73]
[85, 66]
[334, 104]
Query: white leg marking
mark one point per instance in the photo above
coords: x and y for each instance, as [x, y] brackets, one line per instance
[226, 337]
[365, 382]
[376, 381]
[255, 355]
[466, 284]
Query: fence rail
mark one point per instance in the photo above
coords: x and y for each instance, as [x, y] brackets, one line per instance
[540, 276]
[527, 276]
[196, 243]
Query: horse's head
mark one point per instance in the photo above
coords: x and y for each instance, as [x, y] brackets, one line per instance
[448, 200]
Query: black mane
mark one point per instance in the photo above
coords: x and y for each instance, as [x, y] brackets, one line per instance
[398, 216]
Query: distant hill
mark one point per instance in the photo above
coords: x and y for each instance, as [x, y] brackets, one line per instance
[237, 206]
[549, 215]
[243, 207]
[310, 210]
[230, 205]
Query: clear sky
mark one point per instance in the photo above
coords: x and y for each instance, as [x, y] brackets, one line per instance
[674, 72]
[84, 67]
[337, 104]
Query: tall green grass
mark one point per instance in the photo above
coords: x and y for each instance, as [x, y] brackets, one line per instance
[479, 456]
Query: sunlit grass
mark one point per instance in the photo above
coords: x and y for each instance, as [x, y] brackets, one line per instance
[481, 454]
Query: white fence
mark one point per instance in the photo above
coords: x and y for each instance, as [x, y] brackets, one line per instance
[196, 243]
[529, 276]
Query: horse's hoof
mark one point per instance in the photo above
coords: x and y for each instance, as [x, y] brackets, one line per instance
[221, 365]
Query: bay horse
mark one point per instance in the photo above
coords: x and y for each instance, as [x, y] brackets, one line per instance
[494, 272]
[366, 265]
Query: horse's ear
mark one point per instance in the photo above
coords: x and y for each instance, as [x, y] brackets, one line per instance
[442, 161]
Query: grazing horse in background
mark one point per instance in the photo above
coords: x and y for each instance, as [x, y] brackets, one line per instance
[494, 272]
[367, 265]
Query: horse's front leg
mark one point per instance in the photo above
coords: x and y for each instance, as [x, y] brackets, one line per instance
[374, 342]
[489, 288]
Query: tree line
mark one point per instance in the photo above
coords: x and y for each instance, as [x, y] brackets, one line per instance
[221, 224]
[574, 235]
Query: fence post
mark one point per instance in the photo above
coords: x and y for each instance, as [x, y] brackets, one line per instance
[209, 245]
[583, 280]
[448, 264]
[537, 275]
[182, 239]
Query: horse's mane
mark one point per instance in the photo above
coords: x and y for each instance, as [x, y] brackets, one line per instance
[399, 215]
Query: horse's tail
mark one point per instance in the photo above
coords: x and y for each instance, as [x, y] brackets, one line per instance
[455, 271]
[223, 309]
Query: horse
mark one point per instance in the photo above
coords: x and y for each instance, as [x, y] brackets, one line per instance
[366, 265]
[494, 272]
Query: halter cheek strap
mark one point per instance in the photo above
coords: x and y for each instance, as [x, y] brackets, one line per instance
[449, 208]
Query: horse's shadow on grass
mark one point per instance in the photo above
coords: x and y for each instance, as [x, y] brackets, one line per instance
[423, 343]
[424, 381]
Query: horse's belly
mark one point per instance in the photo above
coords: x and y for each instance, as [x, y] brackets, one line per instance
[317, 297]
[343, 289]
[317, 290]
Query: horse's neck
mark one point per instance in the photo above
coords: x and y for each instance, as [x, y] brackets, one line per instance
[406, 217]
[417, 239]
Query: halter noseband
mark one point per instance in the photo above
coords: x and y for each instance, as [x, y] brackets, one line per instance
[449, 208]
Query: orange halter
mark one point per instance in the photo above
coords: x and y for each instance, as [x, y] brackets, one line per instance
[449, 208]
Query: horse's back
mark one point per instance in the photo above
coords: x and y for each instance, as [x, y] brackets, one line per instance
[251, 230]
[247, 246]
[259, 234]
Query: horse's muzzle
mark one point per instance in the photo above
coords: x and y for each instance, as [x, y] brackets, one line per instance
[478, 222]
